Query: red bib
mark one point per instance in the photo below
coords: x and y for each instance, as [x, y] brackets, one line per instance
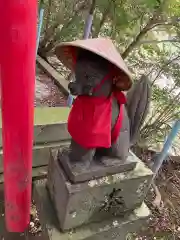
[89, 122]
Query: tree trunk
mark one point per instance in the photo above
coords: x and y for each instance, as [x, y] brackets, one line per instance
[104, 17]
[48, 18]
[89, 20]
[93, 6]
[49, 34]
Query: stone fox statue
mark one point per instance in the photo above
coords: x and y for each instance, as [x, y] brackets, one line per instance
[98, 121]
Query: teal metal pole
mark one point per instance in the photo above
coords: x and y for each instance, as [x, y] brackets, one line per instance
[41, 15]
[88, 25]
[167, 145]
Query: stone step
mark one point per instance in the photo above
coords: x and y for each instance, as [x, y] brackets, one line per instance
[50, 131]
[41, 153]
[117, 229]
[98, 199]
[37, 173]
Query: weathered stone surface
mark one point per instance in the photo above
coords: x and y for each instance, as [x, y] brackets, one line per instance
[37, 173]
[116, 229]
[96, 169]
[40, 157]
[49, 131]
[98, 199]
[41, 154]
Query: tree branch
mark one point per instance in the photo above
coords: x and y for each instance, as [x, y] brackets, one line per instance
[141, 34]
[159, 41]
[162, 68]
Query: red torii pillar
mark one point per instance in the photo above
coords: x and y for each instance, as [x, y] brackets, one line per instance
[18, 25]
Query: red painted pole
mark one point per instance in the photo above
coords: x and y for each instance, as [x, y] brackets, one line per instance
[18, 19]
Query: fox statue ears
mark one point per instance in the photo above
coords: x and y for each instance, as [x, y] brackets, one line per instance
[121, 84]
[138, 103]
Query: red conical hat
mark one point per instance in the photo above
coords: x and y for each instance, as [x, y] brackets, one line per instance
[66, 53]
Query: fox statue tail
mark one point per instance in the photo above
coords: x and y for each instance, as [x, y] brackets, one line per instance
[138, 102]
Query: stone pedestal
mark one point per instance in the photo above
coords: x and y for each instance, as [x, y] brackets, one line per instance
[107, 197]
[117, 228]
[99, 167]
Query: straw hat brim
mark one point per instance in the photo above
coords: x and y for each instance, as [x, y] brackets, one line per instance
[64, 53]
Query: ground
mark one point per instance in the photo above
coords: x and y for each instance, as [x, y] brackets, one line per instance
[164, 223]
[47, 93]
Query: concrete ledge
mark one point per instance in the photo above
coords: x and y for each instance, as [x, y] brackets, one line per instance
[49, 125]
[37, 173]
[49, 132]
[61, 82]
[41, 154]
[50, 115]
[40, 158]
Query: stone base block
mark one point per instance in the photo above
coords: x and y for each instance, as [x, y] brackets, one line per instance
[117, 229]
[99, 167]
[98, 199]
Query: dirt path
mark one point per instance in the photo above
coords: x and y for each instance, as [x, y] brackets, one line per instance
[46, 92]
[164, 223]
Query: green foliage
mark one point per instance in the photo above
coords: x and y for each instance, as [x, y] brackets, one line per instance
[135, 26]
